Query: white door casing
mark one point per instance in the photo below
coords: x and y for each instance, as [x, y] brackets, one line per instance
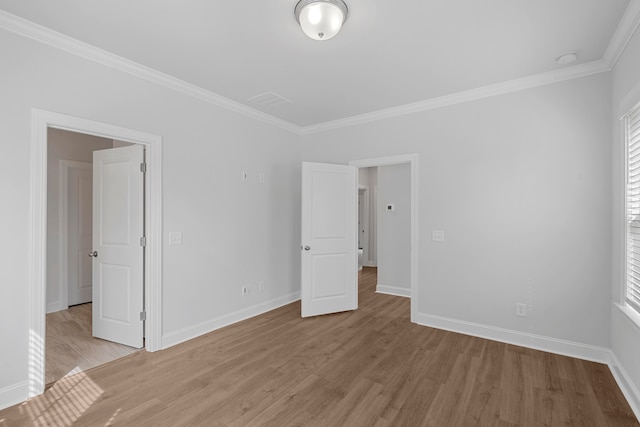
[411, 159]
[118, 209]
[77, 195]
[41, 121]
[329, 239]
[364, 223]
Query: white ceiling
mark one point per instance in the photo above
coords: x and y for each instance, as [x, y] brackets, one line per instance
[388, 54]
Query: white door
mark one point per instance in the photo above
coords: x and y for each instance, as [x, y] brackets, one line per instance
[329, 239]
[117, 252]
[79, 216]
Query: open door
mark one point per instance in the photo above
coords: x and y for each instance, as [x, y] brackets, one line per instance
[329, 237]
[118, 227]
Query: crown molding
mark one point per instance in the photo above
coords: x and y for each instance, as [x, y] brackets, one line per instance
[625, 30]
[510, 86]
[627, 26]
[60, 41]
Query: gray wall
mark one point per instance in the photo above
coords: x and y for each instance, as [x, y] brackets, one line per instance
[625, 331]
[394, 228]
[228, 225]
[520, 183]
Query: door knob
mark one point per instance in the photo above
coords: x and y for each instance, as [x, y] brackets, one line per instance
[93, 254]
[307, 248]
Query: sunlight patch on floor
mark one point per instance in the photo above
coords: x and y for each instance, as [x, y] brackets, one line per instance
[64, 402]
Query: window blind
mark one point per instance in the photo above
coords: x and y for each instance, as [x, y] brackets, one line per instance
[632, 293]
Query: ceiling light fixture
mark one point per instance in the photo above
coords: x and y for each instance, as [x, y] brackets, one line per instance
[321, 19]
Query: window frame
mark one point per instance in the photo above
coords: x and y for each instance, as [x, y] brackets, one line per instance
[631, 119]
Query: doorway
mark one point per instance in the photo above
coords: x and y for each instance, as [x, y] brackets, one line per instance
[411, 215]
[42, 121]
[70, 345]
[367, 216]
[69, 216]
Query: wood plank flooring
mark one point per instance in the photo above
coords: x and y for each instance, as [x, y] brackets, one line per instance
[70, 346]
[371, 367]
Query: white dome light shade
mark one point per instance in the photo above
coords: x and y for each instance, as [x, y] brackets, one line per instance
[321, 19]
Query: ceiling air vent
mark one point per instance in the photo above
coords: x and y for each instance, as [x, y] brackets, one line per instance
[269, 100]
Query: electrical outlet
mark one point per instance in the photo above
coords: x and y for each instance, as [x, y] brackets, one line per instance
[521, 309]
[261, 286]
[245, 291]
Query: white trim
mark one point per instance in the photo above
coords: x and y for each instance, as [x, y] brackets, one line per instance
[632, 316]
[373, 240]
[630, 391]
[523, 339]
[13, 394]
[542, 343]
[76, 47]
[630, 100]
[626, 27]
[393, 290]
[621, 37]
[625, 30]
[52, 307]
[63, 229]
[620, 188]
[412, 159]
[366, 222]
[510, 86]
[40, 121]
[173, 338]
[37, 253]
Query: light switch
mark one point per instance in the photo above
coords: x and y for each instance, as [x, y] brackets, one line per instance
[175, 238]
[437, 235]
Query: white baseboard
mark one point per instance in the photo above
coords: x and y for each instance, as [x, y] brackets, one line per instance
[14, 394]
[538, 342]
[172, 338]
[370, 264]
[393, 290]
[52, 307]
[627, 386]
[523, 339]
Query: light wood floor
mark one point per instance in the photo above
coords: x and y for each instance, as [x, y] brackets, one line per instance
[70, 347]
[371, 367]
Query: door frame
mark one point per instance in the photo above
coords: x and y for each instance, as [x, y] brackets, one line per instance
[366, 222]
[412, 160]
[63, 227]
[41, 121]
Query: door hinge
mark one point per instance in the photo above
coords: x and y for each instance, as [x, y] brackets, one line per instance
[143, 167]
[143, 315]
[143, 241]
